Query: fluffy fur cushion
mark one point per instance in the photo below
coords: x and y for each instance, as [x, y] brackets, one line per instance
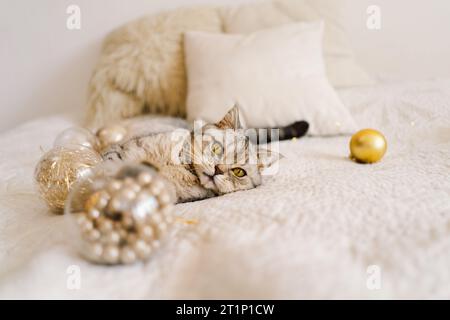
[142, 70]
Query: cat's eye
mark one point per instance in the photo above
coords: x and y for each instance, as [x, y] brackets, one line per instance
[239, 172]
[216, 149]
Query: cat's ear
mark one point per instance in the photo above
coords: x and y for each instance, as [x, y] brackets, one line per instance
[267, 157]
[231, 119]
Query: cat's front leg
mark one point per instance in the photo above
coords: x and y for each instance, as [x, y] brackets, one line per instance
[131, 151]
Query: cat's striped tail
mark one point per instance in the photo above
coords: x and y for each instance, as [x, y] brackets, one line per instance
[295, 130]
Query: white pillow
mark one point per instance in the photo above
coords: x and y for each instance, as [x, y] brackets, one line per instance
[276, 76]
[342, 68]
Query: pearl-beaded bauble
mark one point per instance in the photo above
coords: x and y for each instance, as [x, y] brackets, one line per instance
[122, 220]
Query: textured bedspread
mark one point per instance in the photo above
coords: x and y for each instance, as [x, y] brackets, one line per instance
[311, 231]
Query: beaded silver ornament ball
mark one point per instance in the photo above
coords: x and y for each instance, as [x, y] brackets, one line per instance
[121, 218]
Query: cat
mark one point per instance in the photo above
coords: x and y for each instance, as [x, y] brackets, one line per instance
[212, 160]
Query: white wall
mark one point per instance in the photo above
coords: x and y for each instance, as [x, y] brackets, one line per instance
[413, 42]
[45, 67]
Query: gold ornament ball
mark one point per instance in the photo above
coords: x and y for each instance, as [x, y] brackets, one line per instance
[368, 146]
[110, 134]
[57, 171]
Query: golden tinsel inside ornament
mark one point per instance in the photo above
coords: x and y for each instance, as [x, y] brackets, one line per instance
[59, 169]
[120, 213]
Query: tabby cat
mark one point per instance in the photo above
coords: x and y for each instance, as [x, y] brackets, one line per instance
[212, 160]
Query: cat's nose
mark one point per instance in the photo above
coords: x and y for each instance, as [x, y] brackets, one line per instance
[217, 170]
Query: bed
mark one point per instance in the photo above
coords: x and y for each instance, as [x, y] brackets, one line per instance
[324, 227]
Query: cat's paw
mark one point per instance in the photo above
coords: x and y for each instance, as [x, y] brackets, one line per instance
[114, 153]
